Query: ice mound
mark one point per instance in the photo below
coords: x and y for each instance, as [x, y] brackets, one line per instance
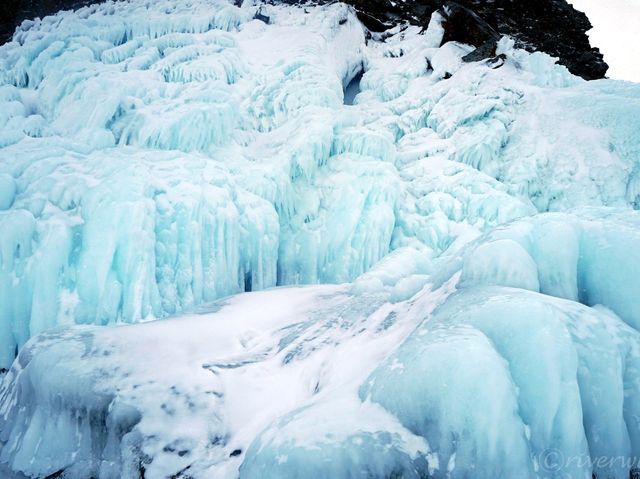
[470, 377]
[343, 449]
[499, 377]
[536, 368]
[474, 229]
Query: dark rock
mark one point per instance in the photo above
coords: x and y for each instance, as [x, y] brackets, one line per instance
[551, 26]
[235, 452]
[55, 475]
[497, 62]
[371, 22]
[263, 18]
[484, 51]
[462, 25]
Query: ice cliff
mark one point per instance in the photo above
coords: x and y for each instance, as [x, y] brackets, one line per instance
[459, 241]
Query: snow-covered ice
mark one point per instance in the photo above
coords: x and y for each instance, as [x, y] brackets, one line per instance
[455, 247]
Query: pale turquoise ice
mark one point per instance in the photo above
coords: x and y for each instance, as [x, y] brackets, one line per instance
[465, 239]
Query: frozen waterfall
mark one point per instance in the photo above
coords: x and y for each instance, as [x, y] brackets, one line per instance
[456, 249]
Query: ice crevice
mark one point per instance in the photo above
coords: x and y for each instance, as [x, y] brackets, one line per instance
[448, 240]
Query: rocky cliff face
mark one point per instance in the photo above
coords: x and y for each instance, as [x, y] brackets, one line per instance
[551, 26]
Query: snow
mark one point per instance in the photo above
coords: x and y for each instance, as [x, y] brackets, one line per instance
[439, 267]
[193, 383]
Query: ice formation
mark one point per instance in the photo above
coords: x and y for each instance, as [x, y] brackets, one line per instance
[465, 235]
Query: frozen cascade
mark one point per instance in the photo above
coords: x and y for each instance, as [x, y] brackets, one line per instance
[455, 239]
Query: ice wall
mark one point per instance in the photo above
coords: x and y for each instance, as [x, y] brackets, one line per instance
[473, 376]
[537, 368]
[157, 157]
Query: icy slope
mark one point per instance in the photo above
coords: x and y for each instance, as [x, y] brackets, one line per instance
[153, 160]
[499, 381]
[157, 157]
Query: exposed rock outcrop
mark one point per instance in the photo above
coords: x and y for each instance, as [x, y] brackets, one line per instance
[551, 26]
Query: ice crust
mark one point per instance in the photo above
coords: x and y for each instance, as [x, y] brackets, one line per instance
[466, 237]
